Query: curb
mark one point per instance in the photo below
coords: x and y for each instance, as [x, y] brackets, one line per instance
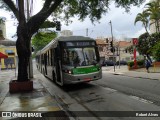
[123, 74]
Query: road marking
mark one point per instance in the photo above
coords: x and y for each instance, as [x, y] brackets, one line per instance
[141, 99]
[110, 89]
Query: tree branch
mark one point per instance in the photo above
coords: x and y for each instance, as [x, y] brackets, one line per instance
[54, 6]
[12, 6]
[40, 17]
[22, 18]
[46, 5]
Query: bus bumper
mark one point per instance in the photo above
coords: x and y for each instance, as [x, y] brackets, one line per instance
[73, 79]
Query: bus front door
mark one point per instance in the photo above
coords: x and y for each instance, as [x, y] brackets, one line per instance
[58, 67]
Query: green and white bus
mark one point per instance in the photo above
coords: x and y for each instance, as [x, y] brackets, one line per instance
[70, 59]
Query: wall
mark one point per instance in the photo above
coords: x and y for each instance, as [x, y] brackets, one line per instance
[3, 28]
[3, 50]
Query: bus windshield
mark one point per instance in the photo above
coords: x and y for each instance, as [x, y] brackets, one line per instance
[79, 56]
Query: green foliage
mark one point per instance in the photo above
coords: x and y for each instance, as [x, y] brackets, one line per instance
[146, 43]
[143, 17]
[4, 6]
[153, 8]
[153, 40]
[130, 64]
[140, 63]
[48, 24]
[94, 9]
[143, 44]
[150, 14]
[156, 52]
[41, 39]
[155, 37]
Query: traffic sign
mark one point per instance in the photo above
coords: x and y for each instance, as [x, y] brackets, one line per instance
[135, 41]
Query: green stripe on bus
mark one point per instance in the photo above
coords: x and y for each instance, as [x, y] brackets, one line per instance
[85, 70]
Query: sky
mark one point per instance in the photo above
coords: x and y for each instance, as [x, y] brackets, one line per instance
[122, 24]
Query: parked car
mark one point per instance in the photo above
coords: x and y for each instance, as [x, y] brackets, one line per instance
[109, 63]
[122, 62]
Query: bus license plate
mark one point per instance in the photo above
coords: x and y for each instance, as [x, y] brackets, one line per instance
[87, 79]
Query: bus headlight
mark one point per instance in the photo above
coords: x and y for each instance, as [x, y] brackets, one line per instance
[69, 71]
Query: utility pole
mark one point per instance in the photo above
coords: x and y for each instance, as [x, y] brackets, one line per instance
[113, 46]
[119, 56]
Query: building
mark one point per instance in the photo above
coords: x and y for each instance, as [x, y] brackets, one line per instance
[8, 48]
[123, 54]
[66, 33]
[3, 30]
[104, 48]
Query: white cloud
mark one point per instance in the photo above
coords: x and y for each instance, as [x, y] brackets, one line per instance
[138, 33]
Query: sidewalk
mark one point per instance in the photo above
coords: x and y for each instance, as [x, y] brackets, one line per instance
[137, 73]
[37, 102]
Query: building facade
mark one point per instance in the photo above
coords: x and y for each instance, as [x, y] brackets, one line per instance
[8, 48]
[104, 48]
[66, 33]
[3, 30]
[121, 53]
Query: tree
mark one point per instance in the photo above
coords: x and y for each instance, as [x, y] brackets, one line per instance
[143, 44]
[42, 38]
[153, 9]
[25, 30]
[147, 45]
[143, 17]
[156, 52]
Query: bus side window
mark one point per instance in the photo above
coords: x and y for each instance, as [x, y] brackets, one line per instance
[48, 60]
[52, 56]
[45, 58]
[58, 52]
[42, 59]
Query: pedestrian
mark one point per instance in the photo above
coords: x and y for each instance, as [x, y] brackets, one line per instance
[147, 64]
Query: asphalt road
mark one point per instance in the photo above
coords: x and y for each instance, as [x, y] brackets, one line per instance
[144, 88]
[112, 93]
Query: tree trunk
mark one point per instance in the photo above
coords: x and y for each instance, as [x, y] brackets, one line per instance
[23, 51]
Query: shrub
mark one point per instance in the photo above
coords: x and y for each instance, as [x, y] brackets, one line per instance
[156, 51]
[140, 63]
[130, 64]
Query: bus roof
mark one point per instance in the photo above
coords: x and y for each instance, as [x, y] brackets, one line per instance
[73, 38]
[53, 43]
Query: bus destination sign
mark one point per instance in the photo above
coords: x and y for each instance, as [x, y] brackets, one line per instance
[83, 44]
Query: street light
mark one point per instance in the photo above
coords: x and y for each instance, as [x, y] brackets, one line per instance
[112, 48]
